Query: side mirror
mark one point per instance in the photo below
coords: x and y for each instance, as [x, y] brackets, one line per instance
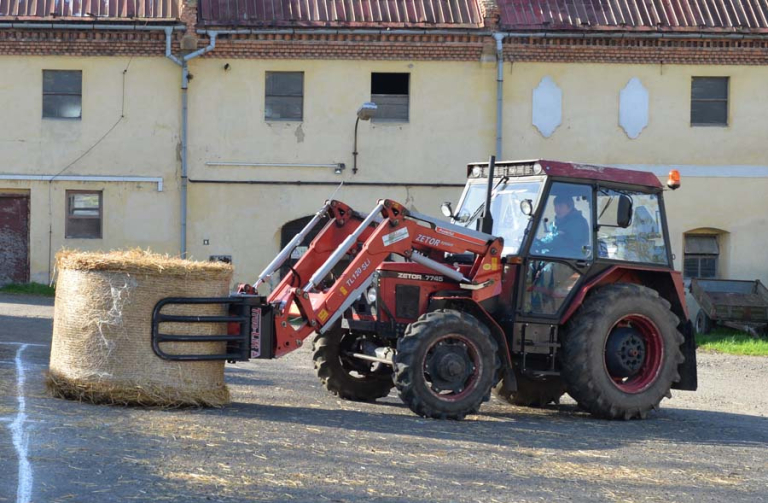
[526, 206]
[446, 209]
[624, 212]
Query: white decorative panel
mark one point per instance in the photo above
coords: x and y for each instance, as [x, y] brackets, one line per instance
[633, 108]
[547, 107]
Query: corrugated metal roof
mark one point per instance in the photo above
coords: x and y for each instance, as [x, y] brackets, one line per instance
[683, 15]
[90, 9]
[352, 13]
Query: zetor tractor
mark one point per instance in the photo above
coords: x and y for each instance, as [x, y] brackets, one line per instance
[552, 277]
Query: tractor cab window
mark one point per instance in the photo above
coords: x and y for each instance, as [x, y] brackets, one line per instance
[642, 240]
[565, 230]
[509, 221]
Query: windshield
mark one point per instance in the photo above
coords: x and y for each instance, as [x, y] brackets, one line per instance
[509, 222]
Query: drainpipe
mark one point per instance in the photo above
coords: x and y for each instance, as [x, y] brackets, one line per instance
[182, 62]
[499, 37]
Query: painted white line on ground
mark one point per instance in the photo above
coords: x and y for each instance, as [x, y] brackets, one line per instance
[22, 344]
[20, 437]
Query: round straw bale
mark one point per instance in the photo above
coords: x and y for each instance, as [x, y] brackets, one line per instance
[102, 330]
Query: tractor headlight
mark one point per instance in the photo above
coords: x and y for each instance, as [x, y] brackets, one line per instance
[371, 295]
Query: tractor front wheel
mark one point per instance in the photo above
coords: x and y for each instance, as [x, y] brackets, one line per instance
[344, 375]
[531, 392]
[621, 351]
[446, 364]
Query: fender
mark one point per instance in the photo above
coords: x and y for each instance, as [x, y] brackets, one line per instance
[470, 306]
[670, 286]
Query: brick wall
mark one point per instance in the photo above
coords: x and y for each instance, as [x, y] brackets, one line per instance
[639, 51]
[391, 47]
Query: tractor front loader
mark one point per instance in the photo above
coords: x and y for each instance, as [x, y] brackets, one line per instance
[551, 278]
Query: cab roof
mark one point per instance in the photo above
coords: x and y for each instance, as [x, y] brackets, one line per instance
[567, 170]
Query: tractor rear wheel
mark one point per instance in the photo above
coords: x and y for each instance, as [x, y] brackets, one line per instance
[620, 352]
[531, 392]
[344, 375]
[446, 364]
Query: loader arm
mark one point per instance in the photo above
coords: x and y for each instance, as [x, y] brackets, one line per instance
[388, 229]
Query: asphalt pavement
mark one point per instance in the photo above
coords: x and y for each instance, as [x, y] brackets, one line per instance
[284, 438]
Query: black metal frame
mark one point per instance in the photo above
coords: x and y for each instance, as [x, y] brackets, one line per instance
[241, 310]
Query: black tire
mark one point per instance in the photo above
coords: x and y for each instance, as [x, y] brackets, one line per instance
[469, 367]
[629, 313]
[703, 323]
[532, 392]
[348, 377]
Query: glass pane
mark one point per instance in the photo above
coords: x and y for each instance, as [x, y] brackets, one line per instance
[62, 81]
[708, 267]
[391, 107]
[547, 285]
[285, 83]
[709, 88]
[283, 108]
[62, 106]
[642, 241]
[509, 221]
[83, 227]
[565, 228]
[691, 267]
[709, 112]
[84, 204]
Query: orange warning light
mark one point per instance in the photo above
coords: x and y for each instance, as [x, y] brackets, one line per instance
[673, 182]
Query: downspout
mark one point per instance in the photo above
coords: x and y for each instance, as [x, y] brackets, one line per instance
[499, 37]
[182, 62]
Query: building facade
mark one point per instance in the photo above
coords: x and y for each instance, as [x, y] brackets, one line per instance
[101, 148]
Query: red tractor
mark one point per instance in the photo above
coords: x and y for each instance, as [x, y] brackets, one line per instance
[552, 277]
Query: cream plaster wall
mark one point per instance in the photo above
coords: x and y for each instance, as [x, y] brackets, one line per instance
[452, 122]
[144, 142]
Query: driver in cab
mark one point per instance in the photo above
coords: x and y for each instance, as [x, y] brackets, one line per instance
[570, 232]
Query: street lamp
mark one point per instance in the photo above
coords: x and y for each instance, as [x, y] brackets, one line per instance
[366, 111]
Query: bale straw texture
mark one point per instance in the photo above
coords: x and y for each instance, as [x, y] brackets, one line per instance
[102, 342]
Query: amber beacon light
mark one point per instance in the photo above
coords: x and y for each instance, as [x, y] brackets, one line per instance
[673, 182]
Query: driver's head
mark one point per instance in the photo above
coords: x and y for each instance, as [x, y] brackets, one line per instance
[563, 206]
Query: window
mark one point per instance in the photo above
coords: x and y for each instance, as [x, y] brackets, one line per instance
[390, 93]
[284, 96]
[62, 94]
[701, 254]
[565, 230]
[709, 101]
[642, 240]
[84, 214]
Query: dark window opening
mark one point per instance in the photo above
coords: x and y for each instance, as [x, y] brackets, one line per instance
[284, 97]
[390, 92]
[62, 94]
[701, 256]
[84, 214]
[709, 101]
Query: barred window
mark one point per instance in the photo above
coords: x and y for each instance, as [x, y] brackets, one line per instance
[701, 256]
[284, 99]
[62, 94]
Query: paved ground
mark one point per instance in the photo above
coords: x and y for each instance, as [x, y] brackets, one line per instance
[286, 439]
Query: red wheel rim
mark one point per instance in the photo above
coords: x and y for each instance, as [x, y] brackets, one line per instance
[654, 354]
[472, 380]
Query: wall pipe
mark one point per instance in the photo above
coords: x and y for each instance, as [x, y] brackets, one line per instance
[184, 122]
[499, 37]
